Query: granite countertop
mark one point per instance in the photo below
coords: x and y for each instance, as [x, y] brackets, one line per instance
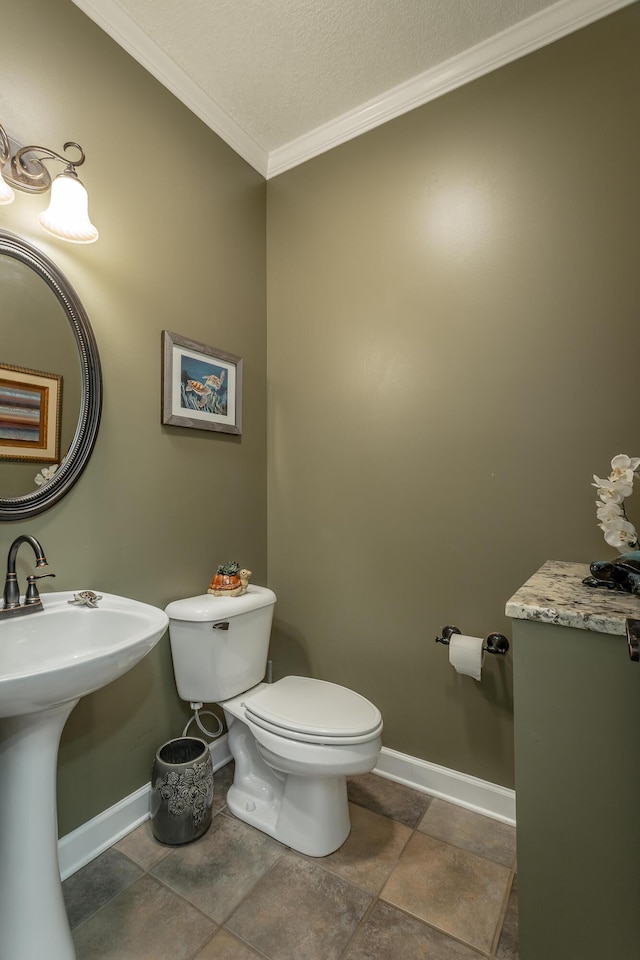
[556, 594]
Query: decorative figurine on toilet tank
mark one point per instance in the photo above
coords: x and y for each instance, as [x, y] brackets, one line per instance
[229, 580]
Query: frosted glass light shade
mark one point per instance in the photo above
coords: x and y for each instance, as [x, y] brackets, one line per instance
[6, 193]
[67, 215]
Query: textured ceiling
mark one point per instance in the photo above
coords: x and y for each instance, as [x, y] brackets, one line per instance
[281, 69]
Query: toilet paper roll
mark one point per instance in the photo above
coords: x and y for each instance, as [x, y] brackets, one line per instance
[466, 655]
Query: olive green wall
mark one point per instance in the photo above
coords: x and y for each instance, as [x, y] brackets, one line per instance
[182, 247]
[452, 334]
[452, 340]
[577, 778]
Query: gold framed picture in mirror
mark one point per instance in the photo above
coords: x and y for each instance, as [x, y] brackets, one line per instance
[30, 413]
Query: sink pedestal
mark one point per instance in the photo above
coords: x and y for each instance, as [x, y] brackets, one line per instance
[49, 660]
[33, 919]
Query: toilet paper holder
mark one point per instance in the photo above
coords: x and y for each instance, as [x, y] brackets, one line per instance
[495, 642]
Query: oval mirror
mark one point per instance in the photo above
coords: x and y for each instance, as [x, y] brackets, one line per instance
[50, 382]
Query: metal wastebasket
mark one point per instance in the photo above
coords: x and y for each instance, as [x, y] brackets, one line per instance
[181, 790]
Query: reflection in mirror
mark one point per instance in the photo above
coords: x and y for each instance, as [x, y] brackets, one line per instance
[50, 382]
[36, 336]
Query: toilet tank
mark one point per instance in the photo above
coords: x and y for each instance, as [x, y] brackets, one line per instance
[219, 645]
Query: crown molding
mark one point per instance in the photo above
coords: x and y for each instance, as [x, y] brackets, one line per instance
[108, 15]
[531, 34]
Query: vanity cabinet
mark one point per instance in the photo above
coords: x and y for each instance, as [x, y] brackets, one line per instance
[577, 756]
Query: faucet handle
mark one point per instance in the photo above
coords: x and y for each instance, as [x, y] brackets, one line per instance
[32, 595]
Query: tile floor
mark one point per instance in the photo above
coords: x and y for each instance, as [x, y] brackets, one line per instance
[417, 879]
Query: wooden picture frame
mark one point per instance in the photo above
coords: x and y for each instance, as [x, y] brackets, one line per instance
[201, 385]
[30, 415]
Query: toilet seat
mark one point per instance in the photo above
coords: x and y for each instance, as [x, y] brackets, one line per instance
[313, 711]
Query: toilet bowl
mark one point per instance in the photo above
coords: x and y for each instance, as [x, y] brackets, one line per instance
[294, 742]
[290, 778]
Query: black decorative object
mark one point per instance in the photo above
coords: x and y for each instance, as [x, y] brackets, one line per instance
[181, 791]
[623, 573]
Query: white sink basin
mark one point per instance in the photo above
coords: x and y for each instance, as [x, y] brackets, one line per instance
[64, 652]
[48, 660]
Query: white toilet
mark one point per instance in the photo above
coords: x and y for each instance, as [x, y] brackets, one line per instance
[293, 741]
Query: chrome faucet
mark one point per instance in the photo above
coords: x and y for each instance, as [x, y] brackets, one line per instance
[32, 603]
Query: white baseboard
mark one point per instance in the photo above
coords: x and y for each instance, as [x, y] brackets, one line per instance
[78, 848]
[481, 796]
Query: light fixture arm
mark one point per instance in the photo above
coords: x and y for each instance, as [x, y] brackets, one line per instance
[28, 171]
[5, 146]
[67, 216]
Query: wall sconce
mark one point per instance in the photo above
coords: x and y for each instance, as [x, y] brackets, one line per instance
[67, 216]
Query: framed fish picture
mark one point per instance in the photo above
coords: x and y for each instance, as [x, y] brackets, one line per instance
[201, 385]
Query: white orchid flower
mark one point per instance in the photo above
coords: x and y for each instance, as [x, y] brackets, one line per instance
[618, 531]
[624, 467]
[621, 476]
[620, 534]
[45, 475]
[608, 510]
[615, 490]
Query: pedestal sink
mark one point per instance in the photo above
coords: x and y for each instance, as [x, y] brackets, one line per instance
[48, 660]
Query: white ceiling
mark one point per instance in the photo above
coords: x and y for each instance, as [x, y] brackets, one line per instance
[284, 80]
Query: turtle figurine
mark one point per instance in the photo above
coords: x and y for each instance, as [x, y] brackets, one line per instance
[623, 573]
[229, 580]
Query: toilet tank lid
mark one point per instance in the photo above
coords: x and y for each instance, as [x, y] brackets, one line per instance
[207, 607]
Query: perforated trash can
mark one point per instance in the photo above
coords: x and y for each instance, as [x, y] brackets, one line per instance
[181, 790]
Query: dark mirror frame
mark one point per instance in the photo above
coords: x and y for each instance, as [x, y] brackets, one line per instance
[18, 508]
